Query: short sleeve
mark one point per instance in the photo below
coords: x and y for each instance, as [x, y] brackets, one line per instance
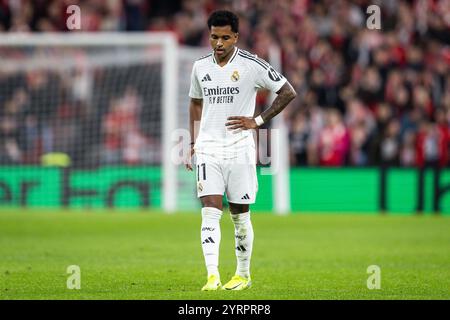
[267, 77]
[195, 90]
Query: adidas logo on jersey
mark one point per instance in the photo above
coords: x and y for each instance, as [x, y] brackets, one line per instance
[246, 197]
[206, 78]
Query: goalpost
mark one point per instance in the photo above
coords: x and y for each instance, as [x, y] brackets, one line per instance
[107, 50]
[86, 101]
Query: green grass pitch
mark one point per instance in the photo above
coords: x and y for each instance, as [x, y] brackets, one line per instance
[151, 255]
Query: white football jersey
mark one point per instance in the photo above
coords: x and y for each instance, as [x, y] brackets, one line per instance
[229, 91]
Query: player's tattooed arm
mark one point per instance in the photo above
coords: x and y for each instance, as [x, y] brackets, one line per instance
[195, 114]
[285, 95]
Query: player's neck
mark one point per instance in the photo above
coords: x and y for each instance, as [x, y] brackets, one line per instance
[224, 60]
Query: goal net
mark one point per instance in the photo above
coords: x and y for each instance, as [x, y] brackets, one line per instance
[95, 120]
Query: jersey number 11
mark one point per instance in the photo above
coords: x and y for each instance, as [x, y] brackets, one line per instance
[204, 171]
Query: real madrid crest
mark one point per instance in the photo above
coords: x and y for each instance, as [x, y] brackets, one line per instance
[235, 76]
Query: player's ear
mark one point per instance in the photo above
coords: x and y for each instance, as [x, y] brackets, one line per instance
[236, 37]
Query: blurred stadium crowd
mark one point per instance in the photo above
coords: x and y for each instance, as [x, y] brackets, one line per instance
[366, 97]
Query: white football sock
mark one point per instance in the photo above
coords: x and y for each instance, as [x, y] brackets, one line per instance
[210, 237]
[243, 233]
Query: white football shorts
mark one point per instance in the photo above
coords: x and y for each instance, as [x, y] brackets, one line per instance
[235, 176]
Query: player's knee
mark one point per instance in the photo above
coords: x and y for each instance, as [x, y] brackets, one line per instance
[214, 202]
[236, 208]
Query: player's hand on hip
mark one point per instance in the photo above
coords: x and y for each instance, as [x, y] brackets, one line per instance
[240, 122]
[188, 159]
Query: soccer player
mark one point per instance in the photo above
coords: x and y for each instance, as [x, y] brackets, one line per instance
[223, 92]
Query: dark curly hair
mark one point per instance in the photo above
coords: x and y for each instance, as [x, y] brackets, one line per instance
[224, 18]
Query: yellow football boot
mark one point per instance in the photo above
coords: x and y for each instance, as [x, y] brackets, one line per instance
[212, 284]
[238, 283]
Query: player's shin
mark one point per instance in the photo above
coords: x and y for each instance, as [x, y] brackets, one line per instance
[243, 231]
[210, 237]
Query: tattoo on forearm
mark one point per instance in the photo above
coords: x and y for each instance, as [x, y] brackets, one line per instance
[285, 95]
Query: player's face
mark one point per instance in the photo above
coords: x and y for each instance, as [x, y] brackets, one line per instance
[222, 41]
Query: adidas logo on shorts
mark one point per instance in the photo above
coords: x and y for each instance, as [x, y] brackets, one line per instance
[246, 197]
